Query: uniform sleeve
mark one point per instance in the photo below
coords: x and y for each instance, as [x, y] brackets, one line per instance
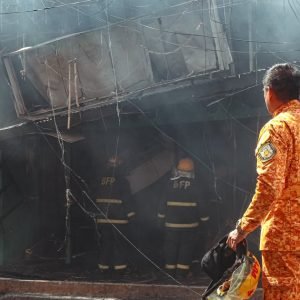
[128, 198]
[273, 154]
[203, 201]
[162, 205]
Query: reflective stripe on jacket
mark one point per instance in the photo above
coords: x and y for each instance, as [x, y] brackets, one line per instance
[182, 205]
[114, 200]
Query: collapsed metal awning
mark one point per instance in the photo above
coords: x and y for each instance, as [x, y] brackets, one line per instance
[111, 63]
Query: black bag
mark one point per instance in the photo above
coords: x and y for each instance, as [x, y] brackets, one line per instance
[218, 259]
[220, 262]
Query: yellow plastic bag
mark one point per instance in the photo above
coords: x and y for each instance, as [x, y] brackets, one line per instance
[243, 282]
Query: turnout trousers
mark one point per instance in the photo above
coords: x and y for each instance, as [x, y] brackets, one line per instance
[113, 251]
[281, 275]
[179, 250]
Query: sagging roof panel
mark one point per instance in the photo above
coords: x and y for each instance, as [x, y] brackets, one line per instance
[114, 60]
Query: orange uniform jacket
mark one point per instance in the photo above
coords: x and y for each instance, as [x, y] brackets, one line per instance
[276, 202]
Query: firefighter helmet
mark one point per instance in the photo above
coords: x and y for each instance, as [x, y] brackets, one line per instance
[239, 280]
[186, 165]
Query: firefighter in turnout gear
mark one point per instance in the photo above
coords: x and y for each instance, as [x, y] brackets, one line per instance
[182, 212]
[113, 199]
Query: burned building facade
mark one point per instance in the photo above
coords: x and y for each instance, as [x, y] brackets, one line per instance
[150, 82]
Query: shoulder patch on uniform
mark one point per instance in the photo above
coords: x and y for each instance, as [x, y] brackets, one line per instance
[266, 151]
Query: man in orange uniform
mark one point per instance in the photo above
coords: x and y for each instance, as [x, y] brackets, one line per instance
[276, 202]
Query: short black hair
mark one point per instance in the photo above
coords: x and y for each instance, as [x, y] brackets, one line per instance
[284, 79]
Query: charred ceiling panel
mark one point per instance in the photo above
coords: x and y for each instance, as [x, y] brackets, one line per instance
[83, 66]
[187, 43]
[89, 68]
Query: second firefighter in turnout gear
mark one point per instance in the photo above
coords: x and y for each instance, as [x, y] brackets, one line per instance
[182, 212]
[113, 199]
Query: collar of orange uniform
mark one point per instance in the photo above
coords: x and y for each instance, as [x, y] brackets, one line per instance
[286, 106]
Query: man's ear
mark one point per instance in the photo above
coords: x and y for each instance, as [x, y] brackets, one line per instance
[272, 94]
